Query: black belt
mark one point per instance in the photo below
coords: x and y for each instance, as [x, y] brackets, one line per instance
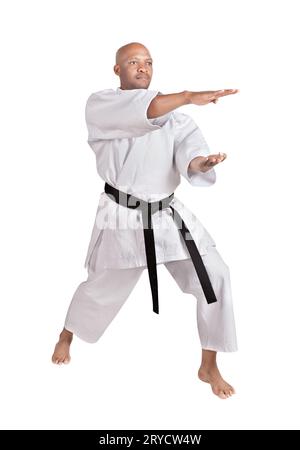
[149, 208]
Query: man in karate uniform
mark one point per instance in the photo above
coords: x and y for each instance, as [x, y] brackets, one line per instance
[142, 147]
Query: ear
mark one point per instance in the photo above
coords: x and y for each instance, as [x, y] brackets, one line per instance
[117, 69]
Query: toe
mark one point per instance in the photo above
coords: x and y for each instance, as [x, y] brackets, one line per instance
[222, 395]
[227, 390]
[219, 392]
[231, 390]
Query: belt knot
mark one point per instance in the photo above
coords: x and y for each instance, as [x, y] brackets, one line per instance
[149, 208]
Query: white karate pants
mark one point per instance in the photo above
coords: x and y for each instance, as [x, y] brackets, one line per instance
[97, 300]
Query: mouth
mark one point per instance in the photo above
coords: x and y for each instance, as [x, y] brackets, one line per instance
[142, 78]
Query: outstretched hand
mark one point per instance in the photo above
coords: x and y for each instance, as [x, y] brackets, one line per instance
[205, 163]
[205, 97]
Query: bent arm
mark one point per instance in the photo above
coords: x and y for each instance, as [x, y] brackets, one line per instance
[189, 145]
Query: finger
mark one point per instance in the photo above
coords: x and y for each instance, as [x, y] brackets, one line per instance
[214, 93]
[226, 92]
[222, 156]
[217, 155]
[213, 160]
[231, 91]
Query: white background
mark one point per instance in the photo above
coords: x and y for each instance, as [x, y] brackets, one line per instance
[142, 374]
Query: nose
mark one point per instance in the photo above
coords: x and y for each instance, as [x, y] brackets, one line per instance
[142, 69]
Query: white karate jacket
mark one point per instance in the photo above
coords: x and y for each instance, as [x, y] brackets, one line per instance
[144, 157]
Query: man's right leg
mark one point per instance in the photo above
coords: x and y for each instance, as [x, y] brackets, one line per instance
[216, 324]
[95, 303]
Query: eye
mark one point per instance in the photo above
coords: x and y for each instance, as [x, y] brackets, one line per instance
[150, 63]
[132, 62]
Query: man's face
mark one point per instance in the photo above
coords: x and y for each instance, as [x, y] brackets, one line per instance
[134, 68]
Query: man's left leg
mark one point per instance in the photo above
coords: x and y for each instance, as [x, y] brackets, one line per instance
[215, 321]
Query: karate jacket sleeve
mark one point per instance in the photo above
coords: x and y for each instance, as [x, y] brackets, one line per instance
[189, 142]
[119, 114]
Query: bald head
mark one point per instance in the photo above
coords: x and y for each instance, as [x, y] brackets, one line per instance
[133, 66]
[126, 50]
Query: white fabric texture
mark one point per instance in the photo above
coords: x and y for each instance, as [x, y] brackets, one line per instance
[97, 301]
[146, 158]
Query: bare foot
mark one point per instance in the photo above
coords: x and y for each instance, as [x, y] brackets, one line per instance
[62, 349]
[219, 386]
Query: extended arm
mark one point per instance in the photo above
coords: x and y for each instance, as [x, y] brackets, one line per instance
[162, 104]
